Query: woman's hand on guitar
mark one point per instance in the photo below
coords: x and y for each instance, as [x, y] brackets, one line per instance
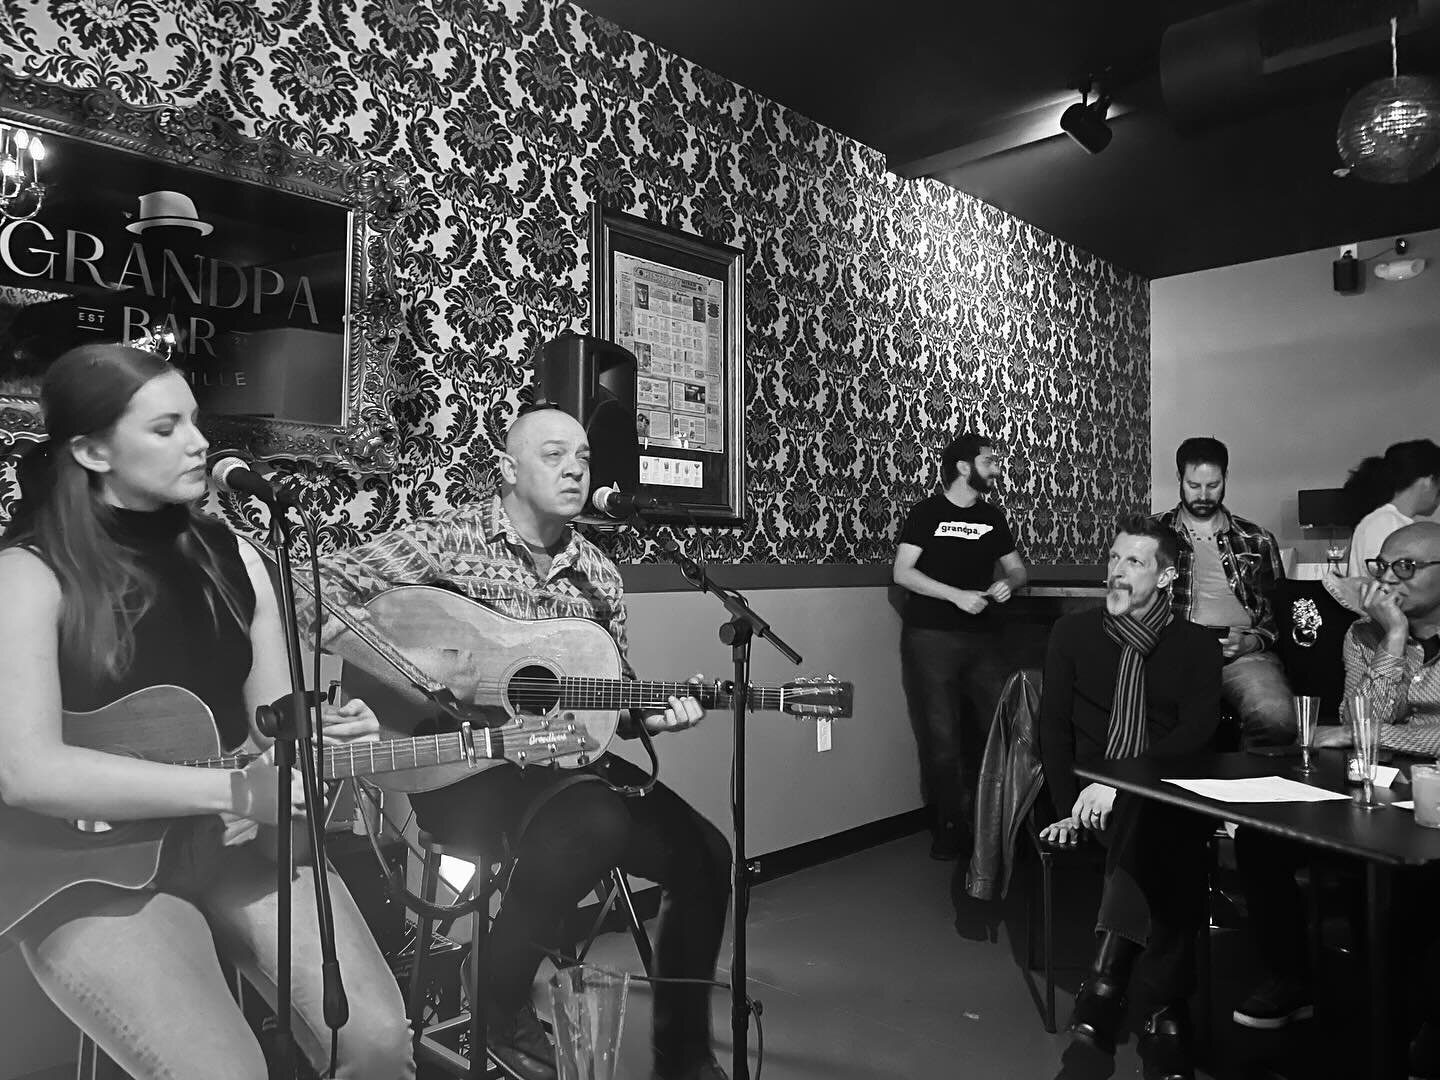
[684, 712]
[254, 798]
[352, 722]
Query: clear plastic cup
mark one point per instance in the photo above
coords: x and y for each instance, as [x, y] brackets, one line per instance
[589, 1005]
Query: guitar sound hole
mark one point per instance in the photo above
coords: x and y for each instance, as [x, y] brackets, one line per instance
[533, 690]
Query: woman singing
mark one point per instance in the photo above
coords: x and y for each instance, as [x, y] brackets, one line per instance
[112, 583]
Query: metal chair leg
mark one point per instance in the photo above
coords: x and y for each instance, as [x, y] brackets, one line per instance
[1030, 917]
[637, 928]
[1047, 871]
[479, 966]
[424, 933]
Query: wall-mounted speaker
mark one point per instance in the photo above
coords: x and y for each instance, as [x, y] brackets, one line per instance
[594, 381]
[1346, 274]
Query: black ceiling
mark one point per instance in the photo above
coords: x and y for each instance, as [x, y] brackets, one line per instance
[935, 84]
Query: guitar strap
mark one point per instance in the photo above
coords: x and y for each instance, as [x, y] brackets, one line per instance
[438, 693]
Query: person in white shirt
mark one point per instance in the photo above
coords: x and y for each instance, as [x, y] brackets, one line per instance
[1391, 492]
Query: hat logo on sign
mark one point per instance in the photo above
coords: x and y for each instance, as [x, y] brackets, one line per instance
[168, 208]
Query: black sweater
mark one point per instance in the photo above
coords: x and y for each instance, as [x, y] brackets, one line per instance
[1182, 696]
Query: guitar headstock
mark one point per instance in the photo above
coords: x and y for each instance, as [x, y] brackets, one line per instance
[827, 697]
[538, 740]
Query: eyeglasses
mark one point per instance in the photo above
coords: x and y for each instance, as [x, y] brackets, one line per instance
[1403, 569]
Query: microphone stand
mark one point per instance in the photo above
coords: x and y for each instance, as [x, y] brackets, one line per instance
[288, 722]
[743, 626]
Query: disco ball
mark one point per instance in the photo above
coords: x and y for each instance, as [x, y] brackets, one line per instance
[1390, 130]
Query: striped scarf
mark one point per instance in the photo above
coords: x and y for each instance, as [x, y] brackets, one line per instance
[1137, 638]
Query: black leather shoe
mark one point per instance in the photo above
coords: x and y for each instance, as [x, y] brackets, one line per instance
[1099, 1012]
[519, 1045]
[1165, 1046]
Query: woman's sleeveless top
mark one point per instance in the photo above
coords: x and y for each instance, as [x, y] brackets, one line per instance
[179, 640]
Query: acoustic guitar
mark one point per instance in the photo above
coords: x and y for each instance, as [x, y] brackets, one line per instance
[43, 856]
[566, 670]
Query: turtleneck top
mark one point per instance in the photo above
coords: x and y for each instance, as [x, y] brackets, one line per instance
[178, 641]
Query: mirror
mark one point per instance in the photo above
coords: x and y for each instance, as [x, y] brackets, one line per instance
[267, 273]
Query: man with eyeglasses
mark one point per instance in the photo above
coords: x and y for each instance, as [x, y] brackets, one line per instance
[1392, 657]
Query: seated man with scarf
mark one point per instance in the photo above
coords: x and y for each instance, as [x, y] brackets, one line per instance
[1127, 681]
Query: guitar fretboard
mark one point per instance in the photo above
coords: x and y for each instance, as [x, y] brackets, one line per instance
[389, 755]
[578, 693]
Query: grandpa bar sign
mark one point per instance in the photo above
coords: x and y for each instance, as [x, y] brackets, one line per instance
[251, 280]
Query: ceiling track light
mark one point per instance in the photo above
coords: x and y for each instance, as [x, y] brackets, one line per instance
[1085, 120]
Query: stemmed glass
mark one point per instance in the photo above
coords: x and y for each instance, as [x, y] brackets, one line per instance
[1365, 731]
[1307, 712]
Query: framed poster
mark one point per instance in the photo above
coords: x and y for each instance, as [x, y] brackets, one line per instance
[677, 301]
[270, 270]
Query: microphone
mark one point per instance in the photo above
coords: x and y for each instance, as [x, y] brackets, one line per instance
[620, 504]
[234, 475]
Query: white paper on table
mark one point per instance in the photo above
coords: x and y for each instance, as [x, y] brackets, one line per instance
[1404, 804]
[1258, 789]
[1384, 775]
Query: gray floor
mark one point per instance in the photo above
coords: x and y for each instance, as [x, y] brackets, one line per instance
[862, 974]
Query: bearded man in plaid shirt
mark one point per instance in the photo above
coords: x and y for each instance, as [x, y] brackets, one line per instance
[1228, 567]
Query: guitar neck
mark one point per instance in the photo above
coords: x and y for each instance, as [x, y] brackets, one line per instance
[607, 694]
[388, 755]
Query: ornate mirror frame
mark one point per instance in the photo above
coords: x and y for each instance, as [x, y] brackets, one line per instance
[194, 137]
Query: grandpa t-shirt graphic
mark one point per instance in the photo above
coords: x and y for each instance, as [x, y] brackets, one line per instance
[958, 546]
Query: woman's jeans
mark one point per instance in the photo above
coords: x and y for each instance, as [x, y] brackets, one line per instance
[139, 971]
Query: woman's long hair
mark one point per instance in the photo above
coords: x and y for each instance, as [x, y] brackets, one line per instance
[62, 514]
[1377, 480]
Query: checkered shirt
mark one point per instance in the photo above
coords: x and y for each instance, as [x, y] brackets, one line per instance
[1251, 558]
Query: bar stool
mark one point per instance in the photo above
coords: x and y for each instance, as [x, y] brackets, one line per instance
[490, 875]
[474, 901]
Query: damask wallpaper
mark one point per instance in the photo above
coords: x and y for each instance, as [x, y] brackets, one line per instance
[882, 314]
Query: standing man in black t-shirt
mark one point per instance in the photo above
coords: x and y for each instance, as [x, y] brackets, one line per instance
[949, 548]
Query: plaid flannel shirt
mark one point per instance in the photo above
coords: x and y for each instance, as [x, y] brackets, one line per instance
[1403, 691]
[475, 550]
[1251, 558]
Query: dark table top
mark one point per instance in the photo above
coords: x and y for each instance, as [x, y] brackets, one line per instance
[1388, 835]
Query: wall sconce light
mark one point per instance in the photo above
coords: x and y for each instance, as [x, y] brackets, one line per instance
[1085, 120]
[21, 193]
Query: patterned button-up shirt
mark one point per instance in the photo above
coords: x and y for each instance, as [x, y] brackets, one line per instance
[476, 550]
[1403, 691]
[1251, 558]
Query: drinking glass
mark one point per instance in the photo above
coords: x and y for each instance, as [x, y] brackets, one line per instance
[1365, 731]
[589, 1004]
[1425, 785]
[1307, 712]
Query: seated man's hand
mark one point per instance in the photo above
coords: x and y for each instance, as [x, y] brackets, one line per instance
[683, 712]
[1092, 808]
[999, 591]
[1238, 643]
[1332, 735]
[352, 722]
[1062, 833]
